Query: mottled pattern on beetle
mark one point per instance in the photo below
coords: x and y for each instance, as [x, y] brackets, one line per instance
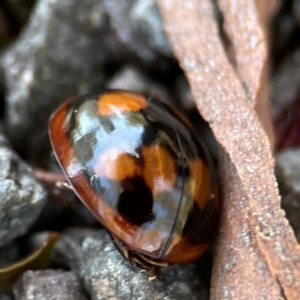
[128, 133]
[146, 166]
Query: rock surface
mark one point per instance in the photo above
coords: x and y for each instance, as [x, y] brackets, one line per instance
[288, 174]
[48, 284]
[133, 79]
[285, 82]
[70, 48]
[6, 296]
[21, 195]
[107, 275]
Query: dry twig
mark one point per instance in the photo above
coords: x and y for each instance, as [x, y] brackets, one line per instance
[257, 254]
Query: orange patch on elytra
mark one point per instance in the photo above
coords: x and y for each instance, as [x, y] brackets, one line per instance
[200, 182]
[181, 251]
[132, 235]
[116, 165]
[159, 171]
[113, 103]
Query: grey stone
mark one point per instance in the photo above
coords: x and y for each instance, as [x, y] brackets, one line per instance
[139, 25]
[67, 251]
[6, 296]
[48, 285]
[64, 52]
[133, 79]
[107, 275]
[54, 58]
[296, 10]
[184, 93]
[288, 163]
[288, 175]
[285, 82]
[130, 78]
[283, 31]
[9, 254]
[21, 195]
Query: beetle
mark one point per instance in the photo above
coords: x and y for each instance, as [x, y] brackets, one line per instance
[140, 169]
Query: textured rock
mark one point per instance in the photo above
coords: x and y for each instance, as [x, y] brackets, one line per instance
[132, 79]
[21, 195]
[139, 25]
[6, 296]
[48, 284]
[284, 27]
[285, 82]
[296, 10]
[288, 174]
[9, 254]
[183, 92]
[65, 51]
[107, 275]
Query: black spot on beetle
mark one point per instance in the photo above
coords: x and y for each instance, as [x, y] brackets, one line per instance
[107, 124]
[149, 135]
[201, 224]
[183, 171]
[136, 201]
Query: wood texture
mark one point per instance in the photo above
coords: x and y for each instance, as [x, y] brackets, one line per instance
[257, 256]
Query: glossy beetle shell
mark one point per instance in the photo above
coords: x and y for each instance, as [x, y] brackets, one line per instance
[140, 170]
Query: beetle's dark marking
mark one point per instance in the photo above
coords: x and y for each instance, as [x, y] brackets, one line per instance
[159, 133]
[85, 154]
[183, 171]
[190, 140]
[136, 201]
[107, 124]
[149, 135]
[201, 224]
[206, 219]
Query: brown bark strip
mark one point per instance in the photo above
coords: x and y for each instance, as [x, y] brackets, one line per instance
[249, 45]
[238, 263]
[223, 102]
[248, 42]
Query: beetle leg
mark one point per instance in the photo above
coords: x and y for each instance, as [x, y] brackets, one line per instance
[150, 265]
